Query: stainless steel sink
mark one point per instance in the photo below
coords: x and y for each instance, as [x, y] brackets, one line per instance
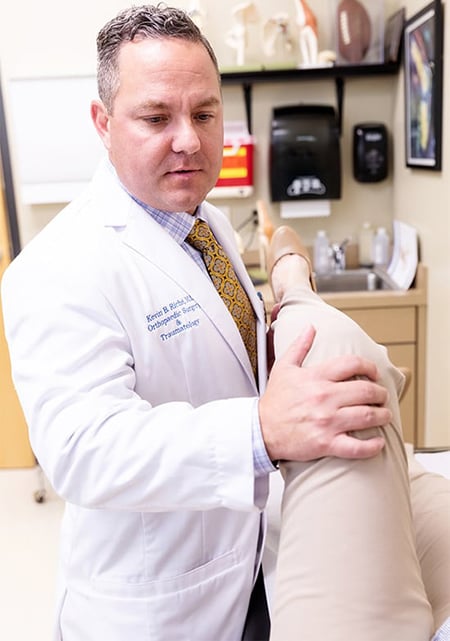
[352, 280]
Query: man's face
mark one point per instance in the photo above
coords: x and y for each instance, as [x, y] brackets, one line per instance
[165, 135]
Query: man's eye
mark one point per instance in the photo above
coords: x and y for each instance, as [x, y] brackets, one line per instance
[155, 120]
[204, 117]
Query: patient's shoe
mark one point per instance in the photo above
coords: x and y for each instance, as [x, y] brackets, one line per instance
[286, 241]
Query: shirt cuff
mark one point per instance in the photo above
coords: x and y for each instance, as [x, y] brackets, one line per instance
[443, 634]
[261, 461]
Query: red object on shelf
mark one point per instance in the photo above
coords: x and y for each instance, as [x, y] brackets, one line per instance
[236, 174]
[237, 166]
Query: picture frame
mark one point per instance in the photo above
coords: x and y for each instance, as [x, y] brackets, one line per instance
[423, 66]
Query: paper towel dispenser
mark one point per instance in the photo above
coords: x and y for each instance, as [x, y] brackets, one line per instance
[304, 158]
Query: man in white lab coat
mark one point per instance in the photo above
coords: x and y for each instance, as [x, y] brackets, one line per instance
[141, 402]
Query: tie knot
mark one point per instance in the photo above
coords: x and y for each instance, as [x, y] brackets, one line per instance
[200, 235]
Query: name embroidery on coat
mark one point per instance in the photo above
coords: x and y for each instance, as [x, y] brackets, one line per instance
[174, 318]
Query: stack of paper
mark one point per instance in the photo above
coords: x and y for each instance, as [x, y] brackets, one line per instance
[403, 266]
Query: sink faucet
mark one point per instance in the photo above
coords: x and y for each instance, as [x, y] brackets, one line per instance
[338, 255]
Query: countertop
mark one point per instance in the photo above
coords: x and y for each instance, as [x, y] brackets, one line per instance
[416, 295]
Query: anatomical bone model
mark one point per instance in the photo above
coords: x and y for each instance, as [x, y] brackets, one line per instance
[307, 33]
[244, 14]
[276, 30]
[276, 34]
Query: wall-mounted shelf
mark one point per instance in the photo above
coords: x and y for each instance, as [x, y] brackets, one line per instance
[248, 78]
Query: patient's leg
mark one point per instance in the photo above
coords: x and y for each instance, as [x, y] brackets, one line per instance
[347, 567]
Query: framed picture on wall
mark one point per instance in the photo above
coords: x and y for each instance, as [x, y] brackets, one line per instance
[423, 48]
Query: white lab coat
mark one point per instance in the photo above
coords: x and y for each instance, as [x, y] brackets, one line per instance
[139, 396]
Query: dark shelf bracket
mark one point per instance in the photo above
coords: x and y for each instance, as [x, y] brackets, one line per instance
[247, 90]
[247, 78]
[339, 101]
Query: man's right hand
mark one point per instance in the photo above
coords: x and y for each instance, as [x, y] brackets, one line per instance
[307, 412]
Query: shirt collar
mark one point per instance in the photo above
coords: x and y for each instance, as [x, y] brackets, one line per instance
[177, 224]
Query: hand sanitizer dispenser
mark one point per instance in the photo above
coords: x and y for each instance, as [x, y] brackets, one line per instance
[305, 158]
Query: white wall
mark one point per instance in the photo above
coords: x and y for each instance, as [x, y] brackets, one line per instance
[52, 38]
[422, 199]
[69, 32]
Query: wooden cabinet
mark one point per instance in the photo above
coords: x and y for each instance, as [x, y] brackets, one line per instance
[15, 450]
[397, 320]
[397, 329]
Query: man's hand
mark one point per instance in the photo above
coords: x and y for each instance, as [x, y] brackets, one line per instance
[307, 413]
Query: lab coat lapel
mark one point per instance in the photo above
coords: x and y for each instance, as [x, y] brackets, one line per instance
[141, 233]
[156, 245]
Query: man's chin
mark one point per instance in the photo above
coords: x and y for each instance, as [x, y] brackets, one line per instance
[188, 203]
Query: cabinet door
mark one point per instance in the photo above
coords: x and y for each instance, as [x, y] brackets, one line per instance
[387, 324]
[396, 328]
[15, 450]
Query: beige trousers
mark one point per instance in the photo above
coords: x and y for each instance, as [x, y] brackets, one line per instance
[430, 499]
[347, 567]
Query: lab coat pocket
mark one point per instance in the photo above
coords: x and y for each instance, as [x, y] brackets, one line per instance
[157, 588]
[208, 602]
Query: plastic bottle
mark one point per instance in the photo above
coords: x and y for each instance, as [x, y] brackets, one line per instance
[365, 245]
[381, 248]
[321, 253]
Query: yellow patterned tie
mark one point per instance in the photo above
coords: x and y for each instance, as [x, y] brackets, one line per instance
[227, 284]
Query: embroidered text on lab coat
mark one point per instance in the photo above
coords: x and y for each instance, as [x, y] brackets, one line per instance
[174, 318]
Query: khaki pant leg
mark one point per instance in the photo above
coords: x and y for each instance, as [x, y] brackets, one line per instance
[430, 498]
[347, 567]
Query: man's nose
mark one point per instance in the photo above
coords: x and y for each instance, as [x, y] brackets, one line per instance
[185, 137]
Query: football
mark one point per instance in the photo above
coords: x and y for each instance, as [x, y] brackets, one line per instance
[354, 31]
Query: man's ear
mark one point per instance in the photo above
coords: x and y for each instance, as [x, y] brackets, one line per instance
[100, 118]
